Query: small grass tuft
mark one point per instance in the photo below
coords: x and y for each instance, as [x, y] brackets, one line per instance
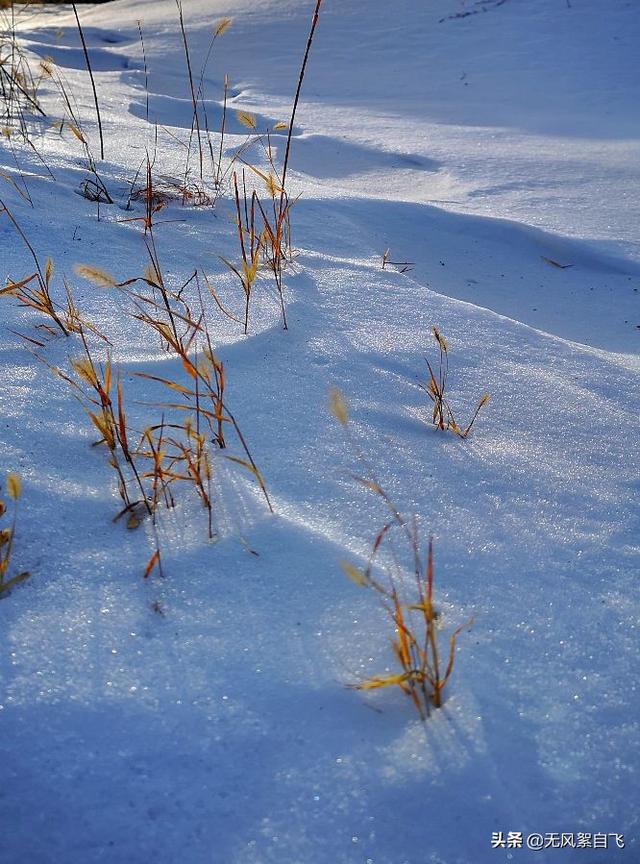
[442, 415]
[424, 666]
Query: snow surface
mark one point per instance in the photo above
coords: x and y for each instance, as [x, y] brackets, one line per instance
[220, 731]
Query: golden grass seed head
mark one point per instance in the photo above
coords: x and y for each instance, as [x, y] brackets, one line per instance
[96, 275]
[338, 406]
[14, 486]
[222, 25]
[246, 119]
[356, 576]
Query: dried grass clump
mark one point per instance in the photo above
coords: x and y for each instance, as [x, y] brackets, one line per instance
[7, 537]
[157, 193]
[177, 446]
[442, 415]
[200, 130]
[180, 451]
[98, 388]
[264, 228]
[425, 667]
[272, 240]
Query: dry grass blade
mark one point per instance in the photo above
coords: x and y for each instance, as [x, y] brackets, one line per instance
[93, 83]
[151, 563]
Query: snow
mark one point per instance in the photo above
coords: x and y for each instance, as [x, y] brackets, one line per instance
[220, 730]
